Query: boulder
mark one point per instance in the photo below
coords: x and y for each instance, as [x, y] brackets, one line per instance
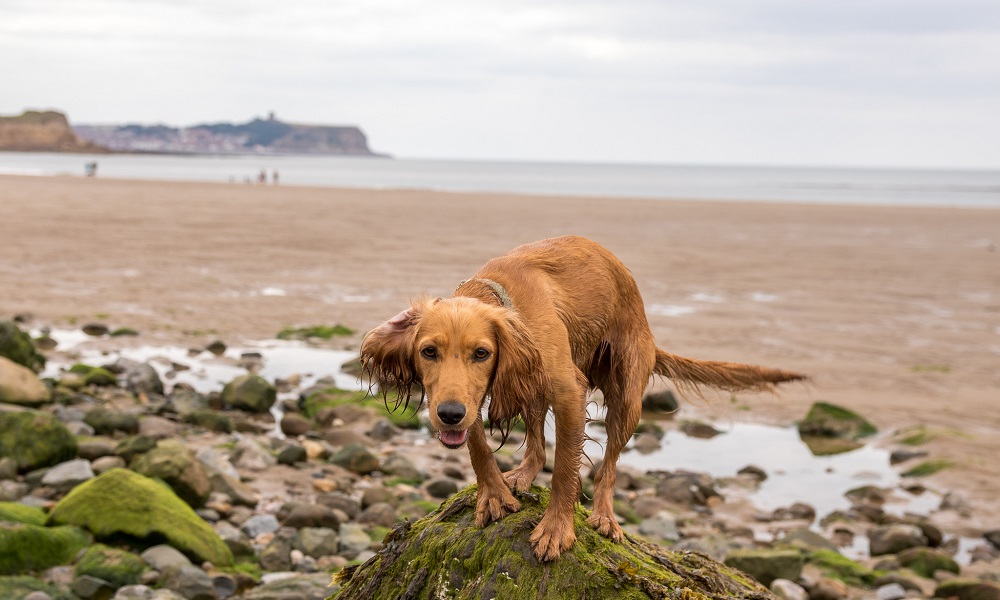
[66, 476]
[890, 539]
[124, 502]
[17, 346]
[35, 440]
[113, 565]
[140, 378]
[174, 463]
[28, 548]
[432, 558]
[250, 393]
[926, 561]
[15, 512]
[20, 385]
[767, 565]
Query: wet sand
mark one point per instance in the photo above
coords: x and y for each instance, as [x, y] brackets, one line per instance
[894, 312]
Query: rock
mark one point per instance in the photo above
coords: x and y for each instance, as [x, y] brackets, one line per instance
[291, 454]
[295, 425]
[29, 548]
[258, 524]
[926, 561]
[767, 565]
[163, 556]
[797, 511]
[336, 500]
[804, 538]
[993, 537]
[891, 591]
[311, 515]
[251, 456]
[8, 468]
[828, 589]
[218, 347]
[661, 527]
[890, 539]
[441, 487]
[276, 556]
[100, 377]
[115, 566]
[663, 401]
[300, 587]
[95, 329]
[65, 476]
[89, 587]
[383, 430]
[216, 461]
[831, 421]
[106, 422]
[189, 581]
[788, 590]
[133, 446]
[234, 488]
[903, 455]
[400, 466]
[13, 490]
[225, 585]
[124, 502]
[134, 592]
[92, 449]
[158, 427]
[38, 595]
[34, 440]
[380, 513]
[174, 463]
[753, 471]
[140, 378]
[250, 393]
[423, 561]
[356, 458]
[16, 346]
[964, 588]
[686, 488]
[211, 420]
[316, 541]
[184, 402]
[353, 539]
[697, 429]
[645, 443]
[19, 385]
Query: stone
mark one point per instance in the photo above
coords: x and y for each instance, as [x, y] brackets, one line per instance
[697, 429]
[291, 454]
[311, 515]
[664, 402]
[124, 502]
[300, 587]
[343, 502]
[276, 556]
[383, 430]
[34, 440]
[95, 329]
[804, 538]
[890, 591]
[753, 471]
[356, 458]
[965, 588]
[832, 421]
[134, 592]
[211, 420]
[903, 455]
[216, 461]
[927, 561]
[235, 539]
[797, 511]
[251, 456]
[890, 539]
[662, 526]
[8, 468]
[354, 538]
[400, 466]
[175, 463]
[374, 495]
[19, 385]
[218, 347]
[133, 446]
[107, 422]
[380, 513]
[686, 488]
[258, 524]
[827, 588]
[163, 556]
[65, 476]
[235, 489]
[184, 401]
[441, 487]
[788, 590]
[158, 427]
[189, 581]
[16, 346]
[645, 443]
[116, 566]
[993, 537]
[250, 393]
[767, 565]
[295, 425]
[92, 588]
[140, 378]
[92, 449]
[316, 541]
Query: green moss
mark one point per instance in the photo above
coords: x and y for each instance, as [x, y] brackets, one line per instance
[414, 481]
[122, 502]
[124, 331]
[400, 415]
[15, 512]
[113, 565]
[625, 511]
[35, 440]
[245, 568]
[929, 467]
[446, 555]
[378, 533]
[17, 346]
[829, 420]
[28, 548]
[80, 369]
[919, 435]
[834, 564]
[210, 419]
[323, 332]
[19, 586]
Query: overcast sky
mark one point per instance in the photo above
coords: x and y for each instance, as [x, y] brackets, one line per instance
[911, 83]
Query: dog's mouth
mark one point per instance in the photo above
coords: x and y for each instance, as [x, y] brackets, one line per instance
[453, 439]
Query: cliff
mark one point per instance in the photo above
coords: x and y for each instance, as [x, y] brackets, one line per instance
[259, 136]
[42, 131]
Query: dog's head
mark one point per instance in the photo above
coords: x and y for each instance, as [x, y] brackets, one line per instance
[459, 350]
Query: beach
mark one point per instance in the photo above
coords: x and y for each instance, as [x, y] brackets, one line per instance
[893, 312]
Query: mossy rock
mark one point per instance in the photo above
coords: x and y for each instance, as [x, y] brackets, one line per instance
[926, 561]
[251, 393]
[210, 420]
[99, 376]
[18, 347]
[323, 332]
[117, 567]
[446, 555]
[120, 502]
[175, 463]
[28, 548]
[826, 420]
[766, 565]
[35, 440]
[401, 415]
[19, 586]
[966, 588]
[836, 565]
[107, 422]
[15, 512]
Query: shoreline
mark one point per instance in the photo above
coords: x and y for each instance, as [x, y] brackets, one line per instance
[893, 311]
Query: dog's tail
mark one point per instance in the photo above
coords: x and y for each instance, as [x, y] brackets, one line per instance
[688, 374]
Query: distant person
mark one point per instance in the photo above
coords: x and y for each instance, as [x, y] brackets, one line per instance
[274, 177]
[262, 176]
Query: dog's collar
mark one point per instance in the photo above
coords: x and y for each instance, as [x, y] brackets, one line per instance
[498, 289]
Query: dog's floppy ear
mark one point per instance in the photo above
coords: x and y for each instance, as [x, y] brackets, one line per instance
[519, 380]
[387, 353]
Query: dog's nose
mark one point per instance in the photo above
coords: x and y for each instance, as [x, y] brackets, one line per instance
[451, 412]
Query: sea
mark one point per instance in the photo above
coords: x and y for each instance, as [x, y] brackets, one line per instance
[834, 185]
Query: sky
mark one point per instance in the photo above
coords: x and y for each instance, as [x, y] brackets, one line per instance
[871, 83]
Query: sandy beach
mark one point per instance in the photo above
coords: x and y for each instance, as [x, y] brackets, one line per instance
[893, 312]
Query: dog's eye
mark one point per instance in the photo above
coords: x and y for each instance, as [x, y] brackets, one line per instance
[480, 354]
[430, 352]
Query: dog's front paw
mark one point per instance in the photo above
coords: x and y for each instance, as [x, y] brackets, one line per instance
[494, 506]
[552, 536]
[606, 526]
[520, 479]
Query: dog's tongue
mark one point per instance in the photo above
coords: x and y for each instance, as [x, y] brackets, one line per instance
[453, 438]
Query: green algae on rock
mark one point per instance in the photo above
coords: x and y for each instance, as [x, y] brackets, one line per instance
[122, 502]
[175, 463]
[117, 567]
[15, 512]
[35, 440]
[29, 548]
[18, 347]
[401, 415]
[446, 555]
[831, 429]
[250, 393]
[19, 586]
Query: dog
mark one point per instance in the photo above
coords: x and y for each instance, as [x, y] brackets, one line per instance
[536, 328]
